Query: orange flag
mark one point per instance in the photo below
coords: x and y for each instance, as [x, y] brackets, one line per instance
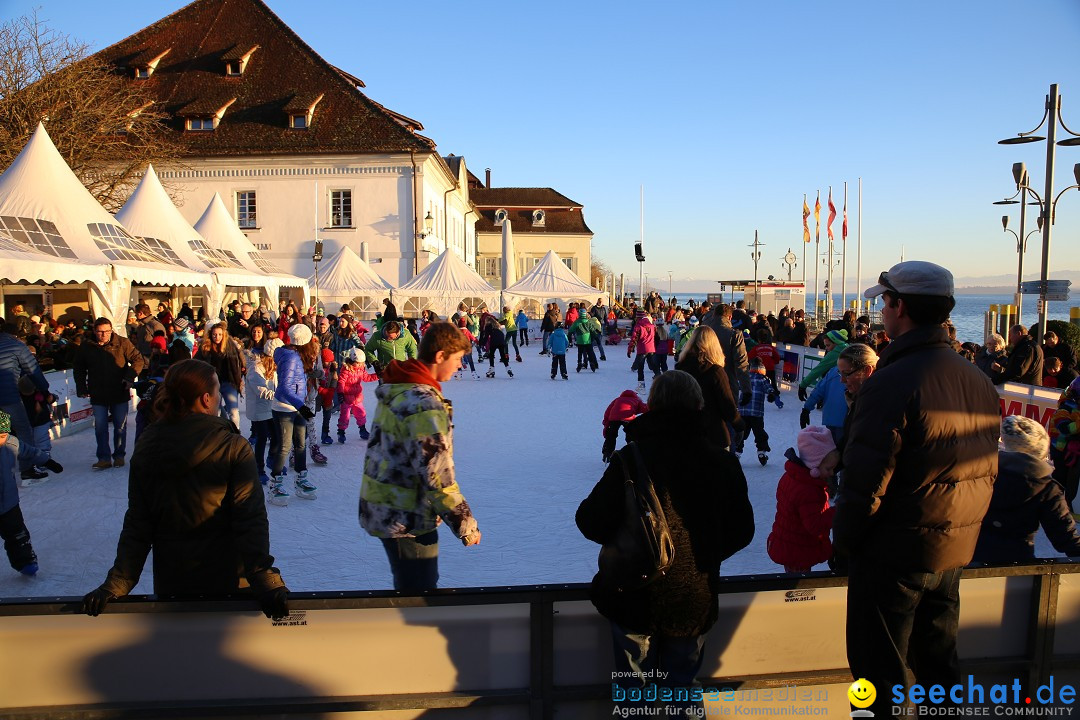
[832, 215]
[805, 227]
[817, 218]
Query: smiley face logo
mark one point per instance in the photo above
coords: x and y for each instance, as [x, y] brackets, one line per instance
[862, 693]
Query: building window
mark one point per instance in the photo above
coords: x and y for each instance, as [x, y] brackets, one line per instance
[245, 209]
[298, 122]
[232, 69]
[341, 208]
[538, 218]
[570, 262]
[527, 263]
[200, 124]
[491, 267]
[141, 73]
[500, 215]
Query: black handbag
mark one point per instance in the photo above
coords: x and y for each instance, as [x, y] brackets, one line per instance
[642, 550]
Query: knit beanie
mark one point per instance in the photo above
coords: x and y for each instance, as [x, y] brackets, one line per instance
[299, 334]
[327, 356]
[180, 323]
[837, 337]
[815, 442]
[271, 345]
[158, 343]
[5, 422]
[1024, 435]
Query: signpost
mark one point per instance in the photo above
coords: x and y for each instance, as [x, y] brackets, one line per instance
[1054, 290]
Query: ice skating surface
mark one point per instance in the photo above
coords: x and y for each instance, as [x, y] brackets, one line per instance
[527, 452]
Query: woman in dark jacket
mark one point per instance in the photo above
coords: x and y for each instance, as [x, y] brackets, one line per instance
[194, 498]
[1025, 497]
[218, 349]
[703, 358]
[703, 494]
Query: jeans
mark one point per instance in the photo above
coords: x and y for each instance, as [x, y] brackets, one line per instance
[558, 362]
[547, 341]
[639, 364]
[638, 657]
[117, 415]
[466, 359]
[230, 403]
[524, 333]
[29, 454]
[511, 339]
[42, 439]
[598, 341]
[414, 561]
[292, 435]
[901, 627]
[264, 431]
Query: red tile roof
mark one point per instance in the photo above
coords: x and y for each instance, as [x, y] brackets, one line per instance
[565, 221]
[531, 198]
[202, 35]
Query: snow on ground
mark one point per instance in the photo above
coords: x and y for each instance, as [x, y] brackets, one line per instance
[527, 452]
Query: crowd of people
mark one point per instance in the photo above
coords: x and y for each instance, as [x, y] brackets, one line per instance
[899, 407]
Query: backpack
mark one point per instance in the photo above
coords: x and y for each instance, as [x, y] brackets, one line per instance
[642, 550]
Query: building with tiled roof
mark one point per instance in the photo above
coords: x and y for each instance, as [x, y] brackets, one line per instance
[541, 219]
[293, 145]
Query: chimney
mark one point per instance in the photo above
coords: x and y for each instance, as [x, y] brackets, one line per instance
[487, 177]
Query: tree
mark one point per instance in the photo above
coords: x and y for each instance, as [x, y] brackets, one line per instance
[104, 125]
[598, 270]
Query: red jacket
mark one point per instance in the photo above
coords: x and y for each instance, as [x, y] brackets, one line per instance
[800, 533]
[767, 354]
[624, 407]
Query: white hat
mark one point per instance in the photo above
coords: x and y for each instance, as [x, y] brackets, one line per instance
[914, 277]
[1024, 435]
[271, 345]
[299, 334]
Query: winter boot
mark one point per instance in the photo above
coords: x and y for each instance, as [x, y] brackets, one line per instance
[341, 437]
[364, 434]
[316, 455]
[326, 439]
[277, 494]
[17, 542]
[641, 388]
[518, 358]
[304, 489]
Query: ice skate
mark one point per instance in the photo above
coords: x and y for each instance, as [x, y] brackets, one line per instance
[490, 373]
[509, 372]
[762, 458]
[316, 455]
[30, 569]
[264, 479]
[304, 489]
[518, 358]
[341, 437]
[565, 377]
[326, 439]
[364, 434]
[475, 376]
[552, 376]
[641, 387]
[277, 494]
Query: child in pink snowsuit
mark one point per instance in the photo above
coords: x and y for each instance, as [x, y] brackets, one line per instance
[349, 385]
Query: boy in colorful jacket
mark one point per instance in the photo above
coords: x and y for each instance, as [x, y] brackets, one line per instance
[409, 485]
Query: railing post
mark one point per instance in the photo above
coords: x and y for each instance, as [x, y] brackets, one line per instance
[542, 658]
[1044, 597]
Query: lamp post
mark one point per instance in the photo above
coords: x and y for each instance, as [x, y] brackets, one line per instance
[316, 258]
[1022, 187]
[669, 283]
[1051, 116]
[789, 260]
[755, 255]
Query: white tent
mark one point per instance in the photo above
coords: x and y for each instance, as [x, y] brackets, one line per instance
[446, 282]
[550, 279]
[221, 233]
[346, 276]
[151, 215]
[43, 204]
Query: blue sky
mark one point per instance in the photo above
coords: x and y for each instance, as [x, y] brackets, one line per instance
[727, 113]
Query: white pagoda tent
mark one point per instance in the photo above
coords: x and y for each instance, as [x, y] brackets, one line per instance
[151, 215]
[444, 283]
[347, 279]
[550, 279]
[45, 206]
[221, 233]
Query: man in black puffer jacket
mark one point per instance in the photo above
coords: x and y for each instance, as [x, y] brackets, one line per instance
[704, 498]
[919, 467]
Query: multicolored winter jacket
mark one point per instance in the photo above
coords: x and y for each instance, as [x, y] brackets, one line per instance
[409, 469]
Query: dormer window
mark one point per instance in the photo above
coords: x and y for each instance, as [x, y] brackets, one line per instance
[201, 124]
[500, 215]
[538, 218]
[236, 61]
[301, 110]
[201, 115]
[145, 64]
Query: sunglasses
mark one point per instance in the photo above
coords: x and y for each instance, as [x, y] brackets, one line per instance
[849, 373]
[883, 279]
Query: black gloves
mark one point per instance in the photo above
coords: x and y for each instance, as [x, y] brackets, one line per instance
[275, 603]
[804, 418]
[802, 393]
[744, 398]
[771, 397]
[306, 412]
[94, 601]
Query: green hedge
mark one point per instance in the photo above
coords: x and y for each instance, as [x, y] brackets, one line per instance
[1066, 332]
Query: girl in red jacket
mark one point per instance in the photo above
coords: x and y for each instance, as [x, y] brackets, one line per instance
[800, 534]
[349, 385]
[621, 410]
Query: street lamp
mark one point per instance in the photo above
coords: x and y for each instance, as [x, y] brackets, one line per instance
[669, 283]
[755, 255]
[789, 260]
[1020, 175]
[1051, 116]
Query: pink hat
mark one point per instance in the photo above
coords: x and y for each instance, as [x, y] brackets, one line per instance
[815, 442]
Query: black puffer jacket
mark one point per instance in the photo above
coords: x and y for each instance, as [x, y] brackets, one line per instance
[1025, 496]
[704, 497]
[106, 372]
[919, 459]
[194, 497]
[720, 408]
[1025, 364]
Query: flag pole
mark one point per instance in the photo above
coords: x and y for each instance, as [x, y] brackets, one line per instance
[804, 244]
[843, 257]
[858, 261]
[817, 256]
[829, 276]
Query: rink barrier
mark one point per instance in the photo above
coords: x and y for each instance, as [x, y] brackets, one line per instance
[517, 652]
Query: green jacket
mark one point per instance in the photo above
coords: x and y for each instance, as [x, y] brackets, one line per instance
[827, 363]
[509, 322]
[581, 330]
[409, 468]
[381, 350]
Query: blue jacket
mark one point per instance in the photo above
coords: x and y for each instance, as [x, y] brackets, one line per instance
[291, 379]
[760, 391]
[830, 390]
[16, 360]
[558, 342]
[522, 320]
